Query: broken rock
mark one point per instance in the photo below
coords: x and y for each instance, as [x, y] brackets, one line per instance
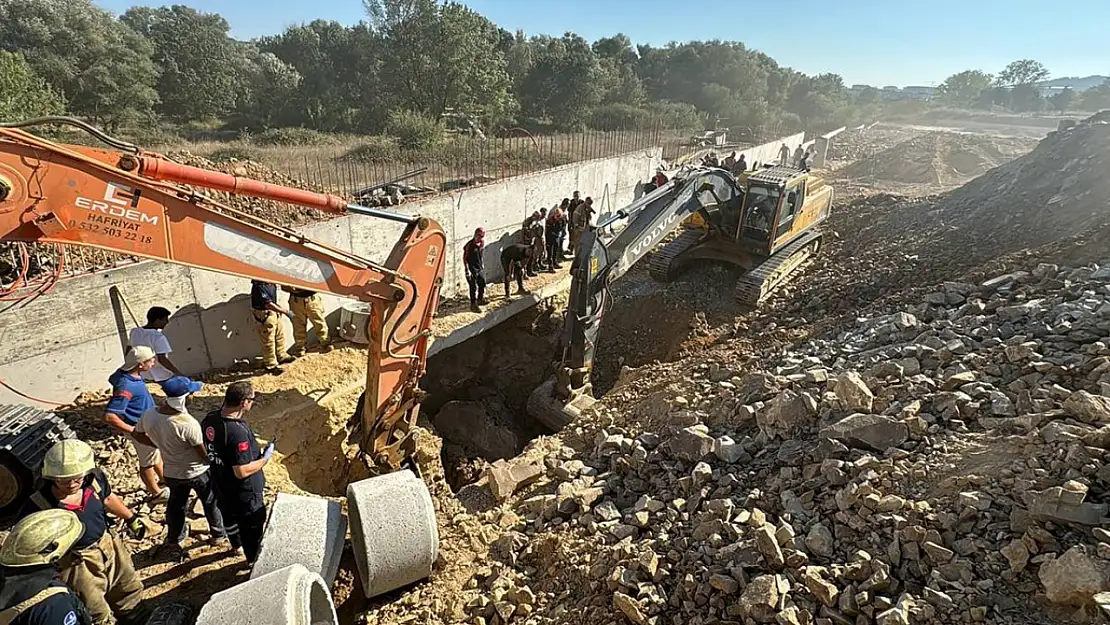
[853, 392]
[692, 444]
[869, 431]
[788, 412]
[1075, 577]
[1087, 407]
[506, 477]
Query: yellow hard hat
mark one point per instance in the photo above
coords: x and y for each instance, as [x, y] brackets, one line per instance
[68, 459]
[41, 538]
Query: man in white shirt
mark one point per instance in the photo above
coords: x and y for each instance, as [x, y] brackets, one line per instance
[177, 435]
[151, 336]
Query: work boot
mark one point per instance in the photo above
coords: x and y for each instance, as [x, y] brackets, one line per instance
[475, 308]
[522, 291]
[531, 274]
[482, 301]
[296, 352]
[327, 348]
[275, 370]
[286, 359]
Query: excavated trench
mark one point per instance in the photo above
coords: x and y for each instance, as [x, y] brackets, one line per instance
[478, 390]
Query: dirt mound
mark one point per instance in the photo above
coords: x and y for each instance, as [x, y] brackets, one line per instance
[937, 159]
[32, 262]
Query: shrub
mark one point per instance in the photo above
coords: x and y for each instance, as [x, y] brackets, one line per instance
[234, 151]
[295, 137]
[373, 150]
[676, 114]
[414, 131]
[620, 117]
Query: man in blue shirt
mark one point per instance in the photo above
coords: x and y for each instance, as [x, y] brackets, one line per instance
[130, 399]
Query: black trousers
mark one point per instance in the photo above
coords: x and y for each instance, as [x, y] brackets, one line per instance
[244, 527]
[477, 283]
[178, 506]
[554, 252]
[513, 269]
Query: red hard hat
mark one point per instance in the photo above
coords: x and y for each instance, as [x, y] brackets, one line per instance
[480, 232]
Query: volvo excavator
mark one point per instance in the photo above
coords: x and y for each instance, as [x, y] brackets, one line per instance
[132, 202]
[766, 221]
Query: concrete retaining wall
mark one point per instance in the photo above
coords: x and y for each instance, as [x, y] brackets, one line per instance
[71, 340]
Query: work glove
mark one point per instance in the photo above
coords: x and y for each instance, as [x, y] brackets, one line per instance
[268, 450]
[135, 527]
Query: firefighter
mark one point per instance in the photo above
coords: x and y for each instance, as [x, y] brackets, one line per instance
[579, 222]
[29, 562]
[307, 307]
[100, 570]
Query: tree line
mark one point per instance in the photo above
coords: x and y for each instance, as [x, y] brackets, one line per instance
[1015, 88]
[410, 65]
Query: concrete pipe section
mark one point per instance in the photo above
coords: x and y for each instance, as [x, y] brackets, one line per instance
[303, 530]
[393, 531]
[290, 596]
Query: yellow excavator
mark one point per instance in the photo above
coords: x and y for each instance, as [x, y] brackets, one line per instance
[765, 221]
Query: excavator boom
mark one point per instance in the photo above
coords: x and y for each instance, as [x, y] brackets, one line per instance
[132, 202]
[599, 261]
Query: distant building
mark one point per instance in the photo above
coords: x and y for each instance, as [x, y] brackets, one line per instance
[919, 92]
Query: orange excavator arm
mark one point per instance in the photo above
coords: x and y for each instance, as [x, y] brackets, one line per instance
[132, 202]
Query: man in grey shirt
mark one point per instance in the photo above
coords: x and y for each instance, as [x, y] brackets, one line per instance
[177, 435]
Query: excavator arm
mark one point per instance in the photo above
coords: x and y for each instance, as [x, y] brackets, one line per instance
[132, 202]
[600, 260]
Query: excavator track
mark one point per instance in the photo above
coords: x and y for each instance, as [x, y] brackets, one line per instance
[661, 267]
[754, 286]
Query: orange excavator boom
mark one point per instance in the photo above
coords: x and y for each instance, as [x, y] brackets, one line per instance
[131, 202]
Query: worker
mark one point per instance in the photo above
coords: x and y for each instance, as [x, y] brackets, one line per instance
[151, 335]
[730, 161]
[237, 465]
[741, 165]
[784, 155]
[100, 571]
[555, 227]
[807, 160]
[130, 399]
[532, 236]
[474, 267]
[799, 154]
[177, 435]
[271, 332]
[514, 258]
[307, 307]
[660, 178]
[29, 559]
[580, 222]
[572, 205]
[564, 206]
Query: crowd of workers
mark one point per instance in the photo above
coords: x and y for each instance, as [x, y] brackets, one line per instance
[802, 158]
[63, 563]
[542, 247]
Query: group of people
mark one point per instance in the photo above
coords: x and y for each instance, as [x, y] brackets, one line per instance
[541, 247]
[802, 158]
[64, 563]
[305, 307]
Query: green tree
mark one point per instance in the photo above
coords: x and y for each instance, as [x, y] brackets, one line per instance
[1062, 100]
[1096, 98]
[1026, 98]
[440, 57]
[267, 87]
[1023, 72]
[194, 55]
[99, 65]
[965, 88]
[23, 94]
[563, 85]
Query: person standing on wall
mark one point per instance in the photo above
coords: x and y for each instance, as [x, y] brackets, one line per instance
[307, 307]
[177, 436]
[130, 399]
[528, 236]
[565, 208]
[30, 558]
[799, 154]
[580, 222]
[513, 260]
[474, 266]
[237, 464]
[271, 332]
[101, 571]
[554, 230]
[784, 155]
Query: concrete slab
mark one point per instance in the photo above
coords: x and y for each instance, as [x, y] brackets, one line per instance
[303, 530]
[393, 531]
[293, 596]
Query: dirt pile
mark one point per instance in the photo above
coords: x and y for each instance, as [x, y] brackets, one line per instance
[858, 144]
[935, 160]
[943, 463]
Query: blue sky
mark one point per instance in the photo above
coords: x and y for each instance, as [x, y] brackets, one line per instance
[866, 41]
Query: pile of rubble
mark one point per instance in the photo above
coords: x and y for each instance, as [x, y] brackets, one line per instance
[943, 463]
[936, 160]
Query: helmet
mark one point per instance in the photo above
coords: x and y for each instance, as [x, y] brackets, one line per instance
[68, 459]
[42, 537]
